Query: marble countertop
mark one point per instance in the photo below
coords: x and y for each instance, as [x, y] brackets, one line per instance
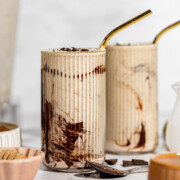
[31, 137]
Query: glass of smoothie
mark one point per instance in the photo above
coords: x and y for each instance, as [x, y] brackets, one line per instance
[132, 101]
[73, 107]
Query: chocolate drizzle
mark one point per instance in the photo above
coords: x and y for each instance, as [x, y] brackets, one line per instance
[123, 145]
[42, 114]
[97, 70]
[45, 121]
[140, 107]
[142, 138]
[71, 132]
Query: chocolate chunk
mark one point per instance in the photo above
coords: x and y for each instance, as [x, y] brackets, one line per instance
[75, 49]
[127, 163]
[84, 50]
[134, 162]
[111, 161]
[68, 49]
[63, 49]
[139, 162]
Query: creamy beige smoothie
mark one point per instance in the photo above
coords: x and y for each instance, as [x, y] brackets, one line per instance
[132, 117]
[73, 107]
[8, 19]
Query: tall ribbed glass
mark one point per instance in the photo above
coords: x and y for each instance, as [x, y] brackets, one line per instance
[132, 115]
[73, 108]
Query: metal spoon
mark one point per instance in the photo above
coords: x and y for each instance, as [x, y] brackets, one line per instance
[106, 171]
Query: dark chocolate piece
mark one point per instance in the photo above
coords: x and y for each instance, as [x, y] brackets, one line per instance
[139, 162]
[111, 161]
[127, 163]
[63, 49]
[84, 50]
[68, 49]
[134, 162]
[75, 49]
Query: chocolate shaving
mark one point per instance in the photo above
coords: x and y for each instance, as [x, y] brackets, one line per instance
[75, 49]
[72, 49]
[68, 49]
[63, 49]
[84, 50]
[111, 161]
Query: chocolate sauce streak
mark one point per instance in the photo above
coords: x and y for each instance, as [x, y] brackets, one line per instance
[140, 104]
[42, 114]
[142, 139]
[71, 132]
[133, 91]
[141, 142]
[45, 67]
[63, 149]
[123, 145]
[98, 70]
[46, 118]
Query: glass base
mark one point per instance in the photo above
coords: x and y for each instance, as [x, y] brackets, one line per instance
[78, 170]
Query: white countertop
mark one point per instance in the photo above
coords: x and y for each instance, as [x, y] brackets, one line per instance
[31, 135]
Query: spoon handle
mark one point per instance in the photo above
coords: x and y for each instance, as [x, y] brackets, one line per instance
[139, 169]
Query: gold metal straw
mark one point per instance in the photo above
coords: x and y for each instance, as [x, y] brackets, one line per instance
[165, 30]
[123, 26]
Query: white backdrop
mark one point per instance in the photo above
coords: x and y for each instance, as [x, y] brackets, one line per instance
[84, 23]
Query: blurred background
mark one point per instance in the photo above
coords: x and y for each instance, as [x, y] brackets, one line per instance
[46, 24]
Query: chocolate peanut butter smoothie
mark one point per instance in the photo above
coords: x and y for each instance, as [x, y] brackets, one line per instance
[8, 20]
[73, 107]
[131, 98]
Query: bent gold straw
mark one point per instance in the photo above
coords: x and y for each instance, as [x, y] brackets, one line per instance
[123, 26]
[165, 30]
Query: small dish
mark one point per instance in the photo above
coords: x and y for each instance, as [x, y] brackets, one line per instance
[165, 166]
[9, 135]
[21, 169]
